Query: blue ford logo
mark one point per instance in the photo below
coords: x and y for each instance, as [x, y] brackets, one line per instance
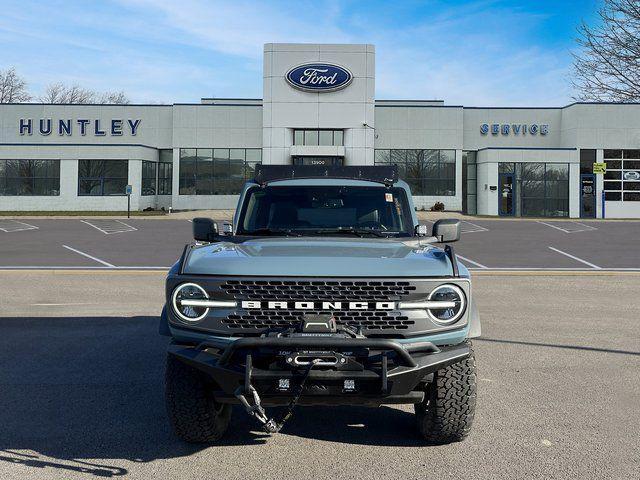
[319, 77]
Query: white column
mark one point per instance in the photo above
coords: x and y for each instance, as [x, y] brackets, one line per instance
[574, 190]
[135, 180]
[69, 180]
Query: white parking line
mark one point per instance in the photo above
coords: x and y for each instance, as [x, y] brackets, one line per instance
[585, 228]
[59, 304]
[577, 259]
[465, 226]
[107, 264]
[475, 227]
[109, 227]
[10, 226]
[468, 260]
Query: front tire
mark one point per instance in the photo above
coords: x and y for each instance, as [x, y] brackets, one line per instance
[194, 414]
[446, 413]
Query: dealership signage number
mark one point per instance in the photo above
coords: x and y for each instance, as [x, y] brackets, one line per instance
[319, 77]
[599, 167]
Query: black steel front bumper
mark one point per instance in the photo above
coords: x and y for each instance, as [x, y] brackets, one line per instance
[378, 371]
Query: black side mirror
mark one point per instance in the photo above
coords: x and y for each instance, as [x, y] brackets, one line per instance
[447, 230]
[204, 229]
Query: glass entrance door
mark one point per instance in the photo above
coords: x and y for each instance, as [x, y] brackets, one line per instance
[506, 194]
[587, 196]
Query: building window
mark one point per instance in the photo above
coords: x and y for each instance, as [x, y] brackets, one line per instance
[148, 178]
[318, 137]
[587, 159]
[102, 177]
[165, 172]
[469, 182]
[165, 178]
[30, 177]
[428, 172]
[542, 189]
[217, 171]
[622, 179]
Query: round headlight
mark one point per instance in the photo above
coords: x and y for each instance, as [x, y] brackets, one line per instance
[453, 297]
[189, 291]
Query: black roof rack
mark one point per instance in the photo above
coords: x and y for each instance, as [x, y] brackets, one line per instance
[385, 174]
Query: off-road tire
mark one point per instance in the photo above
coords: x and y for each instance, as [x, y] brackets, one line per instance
[193, 412]
[446, 413]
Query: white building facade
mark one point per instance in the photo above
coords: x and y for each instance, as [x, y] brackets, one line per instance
[319, 107]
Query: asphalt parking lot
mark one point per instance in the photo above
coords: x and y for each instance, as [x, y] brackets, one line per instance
[81, 387]
[156, 243]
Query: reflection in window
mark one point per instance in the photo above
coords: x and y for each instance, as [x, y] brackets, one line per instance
[469, 182]
[102, 177]
[587, 159]
[217, 171]
[542, 189]
[165, 172]
[428, 172]
[318, 137]
[148, 178]
[30, 177]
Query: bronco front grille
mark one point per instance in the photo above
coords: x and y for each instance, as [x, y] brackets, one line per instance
[370, 320]
[318, 290]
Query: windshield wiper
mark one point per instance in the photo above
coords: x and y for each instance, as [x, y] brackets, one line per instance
[354, 231]
[288, 232]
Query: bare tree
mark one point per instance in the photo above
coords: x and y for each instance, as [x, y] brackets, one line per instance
[119, 98]
[607, 68]
[75, 94]
[13, 89]
[61, 93]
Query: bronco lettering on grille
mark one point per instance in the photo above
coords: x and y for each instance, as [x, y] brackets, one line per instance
[302, 305]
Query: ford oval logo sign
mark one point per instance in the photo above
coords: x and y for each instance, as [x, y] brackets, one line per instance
[319, 77]
[631, 175]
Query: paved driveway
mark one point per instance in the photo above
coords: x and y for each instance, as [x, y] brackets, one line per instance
[81, 368]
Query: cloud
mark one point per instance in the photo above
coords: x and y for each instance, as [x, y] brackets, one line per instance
[472, 55]
[241, 28]
[475, 53]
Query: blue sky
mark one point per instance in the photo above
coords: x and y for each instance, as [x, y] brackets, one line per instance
[473, 53]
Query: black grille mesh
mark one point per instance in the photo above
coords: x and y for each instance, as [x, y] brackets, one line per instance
[370, 320]
[318, 290]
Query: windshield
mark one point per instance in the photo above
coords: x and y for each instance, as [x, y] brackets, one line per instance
[320, 210]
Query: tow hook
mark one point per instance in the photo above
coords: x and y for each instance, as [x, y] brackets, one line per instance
[271, 425]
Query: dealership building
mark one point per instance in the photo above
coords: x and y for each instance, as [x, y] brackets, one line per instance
[319, 108]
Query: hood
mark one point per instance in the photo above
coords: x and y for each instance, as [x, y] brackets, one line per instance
[319, 257]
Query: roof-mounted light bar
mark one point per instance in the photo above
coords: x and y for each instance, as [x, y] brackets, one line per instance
[385, 174]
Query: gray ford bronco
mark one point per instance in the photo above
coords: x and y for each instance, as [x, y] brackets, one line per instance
[325, 290]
